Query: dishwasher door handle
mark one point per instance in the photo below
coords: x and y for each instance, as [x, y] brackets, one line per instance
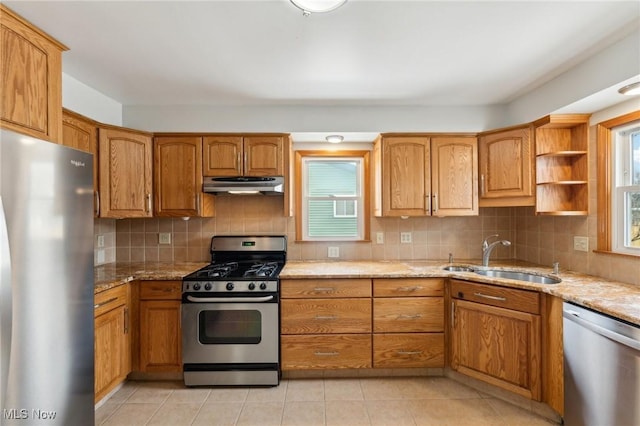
[617, 337]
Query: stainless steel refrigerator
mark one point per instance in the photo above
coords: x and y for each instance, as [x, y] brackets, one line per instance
[46, 283]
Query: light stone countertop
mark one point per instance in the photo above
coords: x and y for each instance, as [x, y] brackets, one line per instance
[114, 274]
[617, 299]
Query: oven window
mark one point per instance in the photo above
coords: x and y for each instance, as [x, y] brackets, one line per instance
[230, 327]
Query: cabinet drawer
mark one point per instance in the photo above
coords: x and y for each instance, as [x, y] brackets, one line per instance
[408, 314]
[510, 298]
[110, 299]
[408, 350]
[404, 287]
[313, 316]
[160, 290]
[325, 352]
[325, 288]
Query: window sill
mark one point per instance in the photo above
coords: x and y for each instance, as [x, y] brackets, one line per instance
[614, 253]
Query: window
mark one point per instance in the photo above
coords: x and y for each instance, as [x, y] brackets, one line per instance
[618, 168]
[332, 195]
[625, 194]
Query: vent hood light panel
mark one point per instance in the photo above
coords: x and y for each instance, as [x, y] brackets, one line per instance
[245, 185]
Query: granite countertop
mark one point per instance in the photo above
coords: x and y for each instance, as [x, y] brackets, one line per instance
[114, 274]
[617, 299]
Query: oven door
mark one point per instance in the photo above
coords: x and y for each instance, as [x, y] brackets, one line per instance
[230, 330]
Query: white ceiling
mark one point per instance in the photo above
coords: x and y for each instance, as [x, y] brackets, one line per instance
[369, 52]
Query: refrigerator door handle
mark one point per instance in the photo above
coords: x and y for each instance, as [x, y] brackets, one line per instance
[6, 302]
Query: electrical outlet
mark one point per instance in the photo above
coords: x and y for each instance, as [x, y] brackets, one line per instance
[379, 237]
[100, 257]
[405, 237]
[333, 252]
[581, 243]
[100, 241]
[164, 238]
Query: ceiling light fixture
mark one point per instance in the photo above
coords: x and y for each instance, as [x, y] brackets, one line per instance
[334, 138]
[317, 6]
[630, 89]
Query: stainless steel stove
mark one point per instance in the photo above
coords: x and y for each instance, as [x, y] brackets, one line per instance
[230, 314]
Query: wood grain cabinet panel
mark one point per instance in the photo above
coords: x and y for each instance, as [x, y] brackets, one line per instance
[309, 352]
[112, 339]
[125, 173]
[419, 175]
[325, 288]
[507, 168]
[159, 327]
[408, 350]
[315, 316]
[497, 345]
[31, 78]
[408, 314]
[405, 287]
[244, 155]
[177, 178]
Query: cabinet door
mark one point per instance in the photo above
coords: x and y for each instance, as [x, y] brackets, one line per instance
[263, 156]
[498, 346]
[406, 177]
[125, 174]
[31, 79]
[222, 156]
[506, 168]
[82, 134]
[160, 336]
[454, 176]
[110, 351]
[177, 171]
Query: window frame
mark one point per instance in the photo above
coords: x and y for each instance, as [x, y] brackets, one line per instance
[366, 184]
[605, 139]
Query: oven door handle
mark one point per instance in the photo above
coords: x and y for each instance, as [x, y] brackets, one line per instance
[229, 299]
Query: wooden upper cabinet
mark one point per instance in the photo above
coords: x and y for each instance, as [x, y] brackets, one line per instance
[454, 176]
[81, 133]
[506, 159]
[406, 176]
[125, 173]
[244, 155]
[177, 168]
[423, 176]
[31, 79]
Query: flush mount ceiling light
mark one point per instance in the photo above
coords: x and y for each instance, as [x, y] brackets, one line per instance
[630, 89]
[334, 138]
[317, 6]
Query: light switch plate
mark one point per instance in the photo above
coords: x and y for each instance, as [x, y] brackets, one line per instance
[405, 237]
[100, 241]
[333, 252]
[379, 237]
[164, 238]
[581, 243]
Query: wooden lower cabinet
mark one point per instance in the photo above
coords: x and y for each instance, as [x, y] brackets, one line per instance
[160, 334]
[499, 345]
[112, 339]
[309, 352]
[316, 316]
[408, 350]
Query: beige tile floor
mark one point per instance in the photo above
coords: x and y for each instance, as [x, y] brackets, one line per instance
[340, 402]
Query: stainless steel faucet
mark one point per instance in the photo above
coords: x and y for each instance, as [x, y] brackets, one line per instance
[488, 248]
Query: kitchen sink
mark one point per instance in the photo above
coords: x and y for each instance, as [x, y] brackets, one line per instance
[453, 268]
[519, 276]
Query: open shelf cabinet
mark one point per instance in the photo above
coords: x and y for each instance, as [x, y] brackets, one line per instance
[562, 164]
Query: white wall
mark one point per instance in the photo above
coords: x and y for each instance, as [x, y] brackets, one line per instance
[85, 100]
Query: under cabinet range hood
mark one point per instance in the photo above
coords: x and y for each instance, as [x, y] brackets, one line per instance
[244, 185]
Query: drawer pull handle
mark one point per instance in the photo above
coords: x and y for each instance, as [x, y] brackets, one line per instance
[486, 296]
[106, 302]
[414, 316]
[409, 352]
[334, 353]
[325, 289]
[326, 317]
[414, 288]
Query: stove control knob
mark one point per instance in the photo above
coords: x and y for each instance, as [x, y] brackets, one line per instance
[196, 286]
[252, 286]
[229, 286]
[207, 286]
[263, 286]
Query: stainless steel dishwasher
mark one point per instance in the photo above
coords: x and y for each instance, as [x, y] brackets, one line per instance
[601, 369]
